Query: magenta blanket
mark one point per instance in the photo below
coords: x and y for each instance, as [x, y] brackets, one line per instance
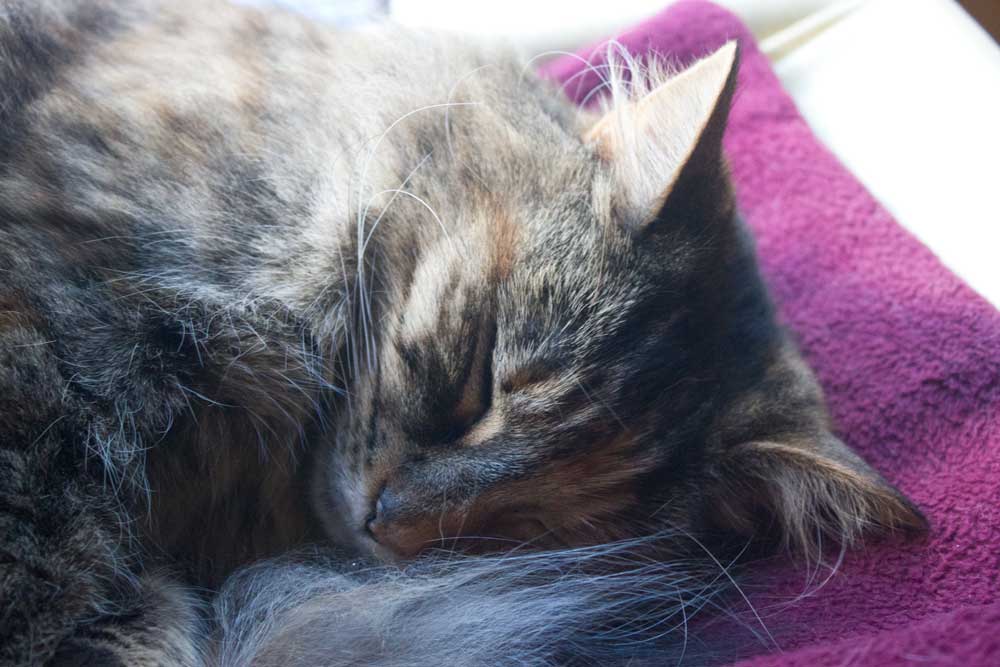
[909, 357]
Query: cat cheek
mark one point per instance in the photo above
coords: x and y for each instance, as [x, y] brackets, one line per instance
[397, 540]
[523, 530]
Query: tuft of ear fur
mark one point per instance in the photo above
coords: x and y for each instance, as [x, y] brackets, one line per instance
[660, 139]
[802, 492]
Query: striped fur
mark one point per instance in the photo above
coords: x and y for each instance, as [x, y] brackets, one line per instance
[264, 284]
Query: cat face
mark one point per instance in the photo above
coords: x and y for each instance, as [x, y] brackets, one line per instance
[515, 393]
[591, 364]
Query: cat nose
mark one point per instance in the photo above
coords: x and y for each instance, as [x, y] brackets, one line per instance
[378, 521]
[400, 533]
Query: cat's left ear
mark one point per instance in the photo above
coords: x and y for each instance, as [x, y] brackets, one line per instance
[803, 491]
[666, 148]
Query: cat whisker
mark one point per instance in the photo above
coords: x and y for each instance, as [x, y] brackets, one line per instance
[725, 572]
[430, 210]
[378, 142]
[598, 401]
[450, 103]
[590, 68]
[395, 193]
[529, 64]
[596, 90]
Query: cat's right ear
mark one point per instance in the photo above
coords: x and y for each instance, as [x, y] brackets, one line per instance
[665, 149]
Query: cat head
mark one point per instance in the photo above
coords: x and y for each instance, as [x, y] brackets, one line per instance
[592, 355]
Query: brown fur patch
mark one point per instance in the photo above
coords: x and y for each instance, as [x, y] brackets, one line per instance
[506, 236]
[486, 428]
[593, 486]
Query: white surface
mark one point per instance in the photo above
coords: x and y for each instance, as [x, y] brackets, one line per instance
[535, 25]
[541, 25]
[907, 94]
[345, 13]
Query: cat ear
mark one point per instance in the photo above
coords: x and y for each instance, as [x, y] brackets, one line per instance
[804, 491]
[671, 138]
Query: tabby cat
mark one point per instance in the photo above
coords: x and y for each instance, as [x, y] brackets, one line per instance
[264, 285]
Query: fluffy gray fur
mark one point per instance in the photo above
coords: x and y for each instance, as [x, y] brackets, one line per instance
[602, 605]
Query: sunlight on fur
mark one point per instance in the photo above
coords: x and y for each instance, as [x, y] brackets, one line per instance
[591, 605]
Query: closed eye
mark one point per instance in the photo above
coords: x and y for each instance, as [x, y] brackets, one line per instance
[476, 396]
[525, 377]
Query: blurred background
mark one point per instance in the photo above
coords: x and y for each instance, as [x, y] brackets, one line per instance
[905, 92]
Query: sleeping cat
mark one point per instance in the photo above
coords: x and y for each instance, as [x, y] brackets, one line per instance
[265, 285]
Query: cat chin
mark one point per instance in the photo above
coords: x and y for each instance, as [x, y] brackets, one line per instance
[341, 509]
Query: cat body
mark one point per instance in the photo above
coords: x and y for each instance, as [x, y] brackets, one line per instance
[266, 284]
[242, 317]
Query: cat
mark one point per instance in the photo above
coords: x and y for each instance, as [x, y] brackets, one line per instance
[268, 285]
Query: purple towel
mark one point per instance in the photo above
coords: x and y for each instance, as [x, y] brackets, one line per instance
[909, 357]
